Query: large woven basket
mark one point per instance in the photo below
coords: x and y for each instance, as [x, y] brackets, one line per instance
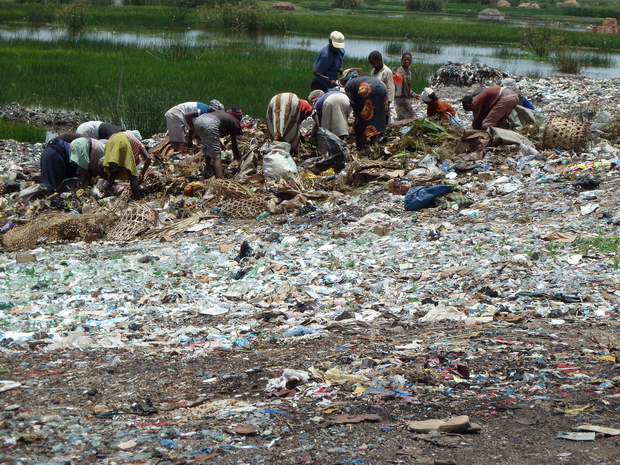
[565, 134]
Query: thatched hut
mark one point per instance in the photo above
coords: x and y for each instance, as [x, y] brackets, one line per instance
[491, 14]
[503, 3]
[283, 6]
[610, 26]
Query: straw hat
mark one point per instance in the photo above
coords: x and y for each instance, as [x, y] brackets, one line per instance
[349, 74]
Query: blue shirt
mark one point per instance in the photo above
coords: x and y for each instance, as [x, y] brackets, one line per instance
[202, 108]
[328, 63]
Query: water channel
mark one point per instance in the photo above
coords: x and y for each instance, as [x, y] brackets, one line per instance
[358, 48]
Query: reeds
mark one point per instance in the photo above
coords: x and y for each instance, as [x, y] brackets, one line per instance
[85, 75]
[21, 132]
[573, 62]
[425, 46]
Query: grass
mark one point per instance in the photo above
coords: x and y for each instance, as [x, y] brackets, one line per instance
[21, 132]
[506, 54]
[602, 244]
[425, 46]
[86, 75]
[573, 62]
[370, 21]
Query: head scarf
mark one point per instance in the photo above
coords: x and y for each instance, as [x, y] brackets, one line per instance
[237, 113]
[216, 105]
[510, 84]
[315, 95]
[79, 152]
[135, 133]
[428, 95]
[349, 74]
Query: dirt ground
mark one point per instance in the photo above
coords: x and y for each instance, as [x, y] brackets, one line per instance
[158, 394]
[323, 345]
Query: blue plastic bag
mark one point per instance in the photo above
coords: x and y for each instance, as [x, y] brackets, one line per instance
[421, 197]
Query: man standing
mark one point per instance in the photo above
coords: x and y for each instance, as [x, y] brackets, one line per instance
[328, 64]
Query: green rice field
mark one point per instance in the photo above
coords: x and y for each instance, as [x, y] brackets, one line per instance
[134, 87]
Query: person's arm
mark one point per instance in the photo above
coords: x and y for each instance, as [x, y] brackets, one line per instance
[317, 123]
[146, 156]
[189, 118]
[431, 110]
[235, 147]
[328, 82]
[84, 177]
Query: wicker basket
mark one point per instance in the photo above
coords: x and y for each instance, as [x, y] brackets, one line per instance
[565, 134]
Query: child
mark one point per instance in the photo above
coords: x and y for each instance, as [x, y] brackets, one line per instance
[381, 71]
[404, 94]
[434, 106]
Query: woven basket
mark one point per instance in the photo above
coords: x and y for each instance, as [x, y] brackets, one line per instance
[565, 134]
[250, 207]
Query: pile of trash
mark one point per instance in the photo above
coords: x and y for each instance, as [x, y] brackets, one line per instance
[59, 120]
[466, 75]
[448, 297]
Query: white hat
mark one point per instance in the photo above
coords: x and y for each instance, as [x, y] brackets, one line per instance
[337, 39]
[428, 95]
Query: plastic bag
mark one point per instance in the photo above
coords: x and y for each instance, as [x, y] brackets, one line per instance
[420, 197]
[278, 162]
[332, 149]
[454, 119]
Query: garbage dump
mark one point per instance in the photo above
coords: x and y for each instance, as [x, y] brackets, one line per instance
[309, 316]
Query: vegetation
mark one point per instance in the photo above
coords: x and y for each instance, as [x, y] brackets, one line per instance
[134, 87]
[241, 15]
[425, 46]
[253, 14]
[21, 132]
[604, 245]
[540, 41]
[573, 62]
[75, 16]
[425, 5]
[347, 4]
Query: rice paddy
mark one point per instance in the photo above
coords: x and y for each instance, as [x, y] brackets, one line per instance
[21, 132]
[133, 87]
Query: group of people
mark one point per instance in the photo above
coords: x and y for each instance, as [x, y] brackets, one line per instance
[99, 150]
[95, 150]
[374, 100]
[103, 150]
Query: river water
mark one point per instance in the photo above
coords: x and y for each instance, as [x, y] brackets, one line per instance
[358, 48]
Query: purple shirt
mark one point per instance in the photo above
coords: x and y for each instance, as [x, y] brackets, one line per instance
[318, 105]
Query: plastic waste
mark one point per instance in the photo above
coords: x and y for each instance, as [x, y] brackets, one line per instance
[528, 154]
[336, 375]
[440, 313]
[332, 148]
[278, 162]
[420, 197]
[299, 331]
